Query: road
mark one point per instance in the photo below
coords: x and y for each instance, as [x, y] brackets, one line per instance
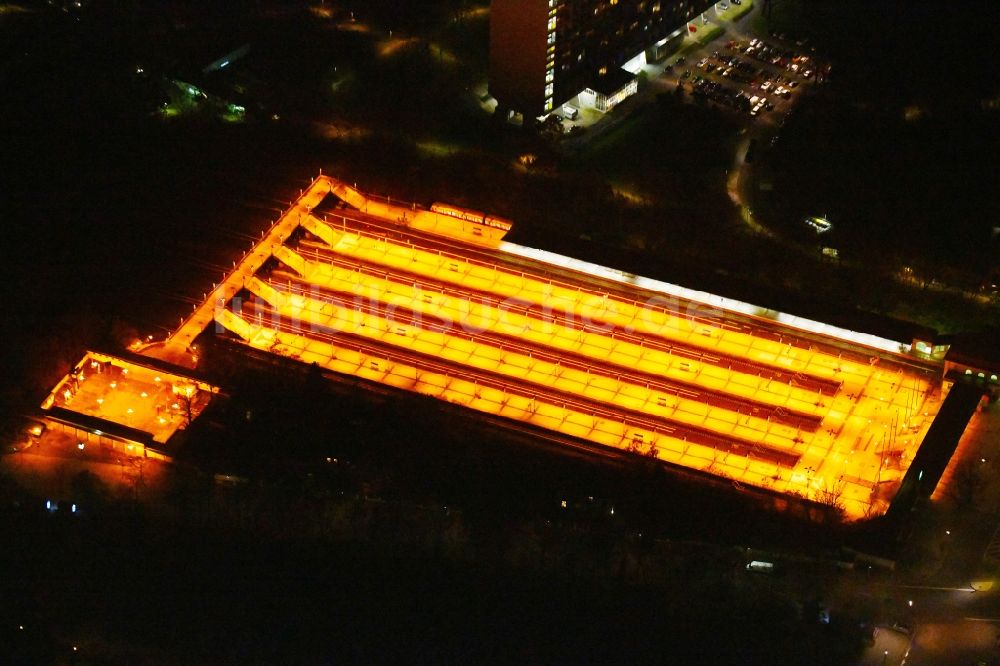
[919, 622]
[946, 627]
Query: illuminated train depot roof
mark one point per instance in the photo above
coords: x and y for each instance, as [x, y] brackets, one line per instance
[435, 302]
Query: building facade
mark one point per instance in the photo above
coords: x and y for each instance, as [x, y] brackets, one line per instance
[544, 52]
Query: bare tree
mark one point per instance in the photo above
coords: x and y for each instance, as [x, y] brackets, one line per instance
[132, 475]
[186, 399]
[832, 493]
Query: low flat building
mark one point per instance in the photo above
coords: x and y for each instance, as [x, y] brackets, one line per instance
[126, 403]
[436, 302]
[610, 89]
[588, 354]
[974, 358]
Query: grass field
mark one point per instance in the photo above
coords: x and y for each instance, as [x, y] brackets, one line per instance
[705, 35]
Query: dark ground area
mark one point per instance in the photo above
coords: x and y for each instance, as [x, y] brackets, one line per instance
[160, 595]
[899, 149]
[388, 528]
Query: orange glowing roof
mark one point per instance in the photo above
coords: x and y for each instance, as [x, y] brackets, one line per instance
[408, 297]
[137, 394]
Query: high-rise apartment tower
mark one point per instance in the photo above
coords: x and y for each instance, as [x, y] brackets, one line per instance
[544, 52]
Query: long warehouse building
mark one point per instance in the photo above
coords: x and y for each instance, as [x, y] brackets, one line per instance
[436, 302]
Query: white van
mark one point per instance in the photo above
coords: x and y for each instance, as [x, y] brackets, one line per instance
[760, 566]
[570, 112]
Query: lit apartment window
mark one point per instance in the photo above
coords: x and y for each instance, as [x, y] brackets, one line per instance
[552, 38]
[548, 89]
[548, 104]
[552, 24]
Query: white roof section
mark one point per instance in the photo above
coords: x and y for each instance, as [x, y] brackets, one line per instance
[732, 305]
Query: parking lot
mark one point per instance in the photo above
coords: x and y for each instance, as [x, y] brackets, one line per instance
[750, 76]
[756, 80]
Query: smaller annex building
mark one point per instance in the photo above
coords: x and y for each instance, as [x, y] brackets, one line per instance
[610, 89]
[125, 403]
[974, 358]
